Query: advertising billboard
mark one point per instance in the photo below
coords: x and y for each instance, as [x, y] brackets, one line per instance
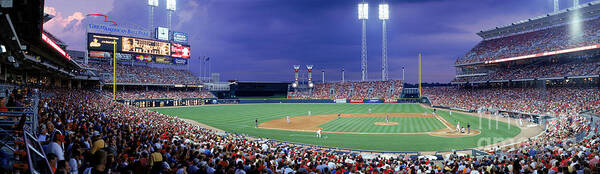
[180, 51]
[180, 37]
[162, 33]
[124, 57]
[143, 58]
[180, 61]
[373, 101]
[356, 100]
[388, 100]
[144, 46]
[340, 101]
[102, 42]
[99, 54]
[163, 59]
[121, 31]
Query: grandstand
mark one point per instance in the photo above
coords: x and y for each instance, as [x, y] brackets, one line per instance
[550, 47]
[391, 89]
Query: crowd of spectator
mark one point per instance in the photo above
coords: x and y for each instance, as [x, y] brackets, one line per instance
[559, 101]
[145, 74]
[538, 71]
[362, 90]
[161, 94]
[86, 132]
[551, 39]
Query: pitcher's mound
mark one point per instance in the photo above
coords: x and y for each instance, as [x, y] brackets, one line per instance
[386, 123]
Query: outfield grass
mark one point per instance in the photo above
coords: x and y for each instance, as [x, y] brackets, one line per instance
[367, 124]
[240, 119]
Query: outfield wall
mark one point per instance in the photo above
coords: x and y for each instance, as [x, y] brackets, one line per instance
[145, 103]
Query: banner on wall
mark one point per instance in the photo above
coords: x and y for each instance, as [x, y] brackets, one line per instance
[373, 101]
[388, 100]
[340, 101]
[356, 100]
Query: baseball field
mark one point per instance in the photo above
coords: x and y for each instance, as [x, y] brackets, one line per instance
[382, 127]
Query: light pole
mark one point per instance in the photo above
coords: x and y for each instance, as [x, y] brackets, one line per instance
[171, 7]
[363, 15]
[384, 15]
[151, 5]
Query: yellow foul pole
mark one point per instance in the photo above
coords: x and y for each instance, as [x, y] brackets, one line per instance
[115, 70]
[420, 94]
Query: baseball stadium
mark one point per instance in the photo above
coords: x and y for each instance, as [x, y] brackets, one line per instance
[204, 86]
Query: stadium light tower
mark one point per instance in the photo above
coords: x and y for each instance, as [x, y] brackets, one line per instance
[151, 5]
[296, 70]
[384, 15]
[363, 15]
[310, 68]
[556, 6]
[171, 7]
[575, 3]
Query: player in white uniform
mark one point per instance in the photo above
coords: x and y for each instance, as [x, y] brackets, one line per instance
[369, 110]
[288, 119]
[319, 133]
[458, 126]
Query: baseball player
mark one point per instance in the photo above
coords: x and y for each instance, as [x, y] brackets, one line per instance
[369, 110]
[309, 113]
[387, 118]
[457, 126]
[339, 116]
[450, 113]
[319, 132]
[468, 128]
[288, 119]
[521, 122]
[256, 122]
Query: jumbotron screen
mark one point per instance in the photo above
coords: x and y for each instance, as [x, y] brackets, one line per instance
[180, 51]
[144, 46]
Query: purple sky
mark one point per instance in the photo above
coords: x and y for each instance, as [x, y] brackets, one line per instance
[260, 40]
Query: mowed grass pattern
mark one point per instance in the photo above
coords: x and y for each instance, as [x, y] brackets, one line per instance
[240, 119]
[367, 124]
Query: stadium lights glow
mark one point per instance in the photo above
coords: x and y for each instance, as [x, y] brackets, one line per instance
[294, 85]
[56, 47]
[171, 5]
[545, 54]
[153, 3]
[363, 10]
[310, 85]
[384, 11]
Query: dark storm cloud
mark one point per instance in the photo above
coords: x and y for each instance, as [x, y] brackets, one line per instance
[260, 40]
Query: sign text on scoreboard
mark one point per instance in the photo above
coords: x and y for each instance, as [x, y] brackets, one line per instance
[180, 51]
[144, 46]
[163, 59]
[102, 42]
[180, 37]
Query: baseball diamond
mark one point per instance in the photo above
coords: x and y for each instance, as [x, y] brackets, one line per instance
[417, 129]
